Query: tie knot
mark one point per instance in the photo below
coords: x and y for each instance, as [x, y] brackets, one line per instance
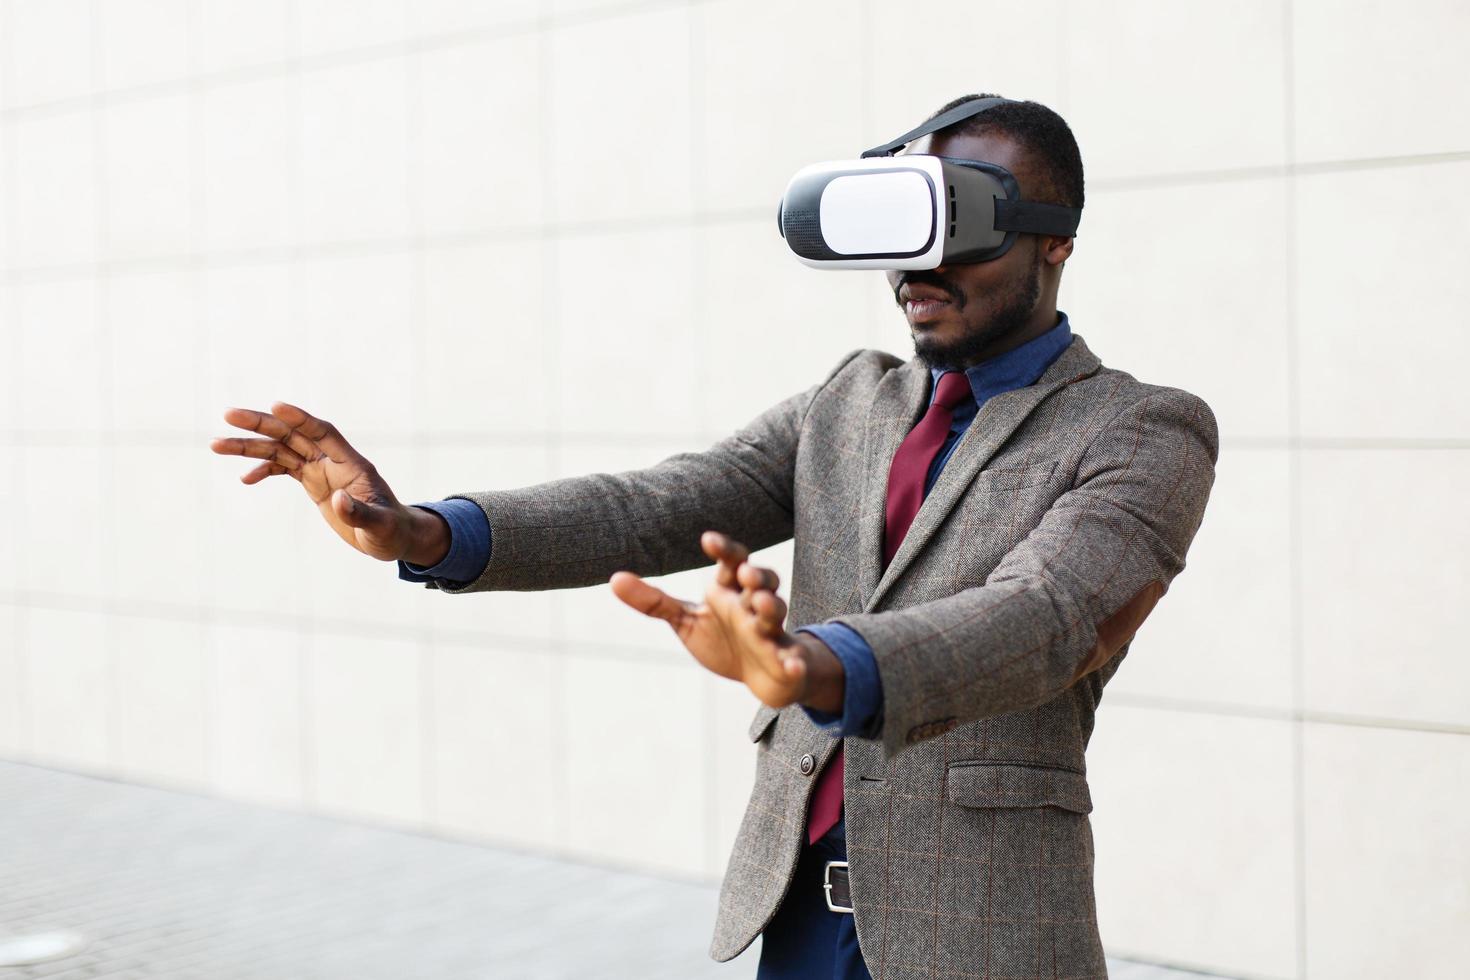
[953, 388]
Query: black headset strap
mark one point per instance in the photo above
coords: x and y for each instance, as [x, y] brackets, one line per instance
[1010, 215]
[1038, 218]
[961, 112]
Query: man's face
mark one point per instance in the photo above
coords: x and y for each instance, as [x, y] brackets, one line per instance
[963, 313]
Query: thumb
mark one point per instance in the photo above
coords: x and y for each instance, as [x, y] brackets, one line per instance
[358, 513]
[648, 599]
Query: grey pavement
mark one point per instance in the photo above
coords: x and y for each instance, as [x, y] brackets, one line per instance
[173, 885]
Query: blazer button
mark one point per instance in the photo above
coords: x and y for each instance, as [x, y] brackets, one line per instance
[808, 764]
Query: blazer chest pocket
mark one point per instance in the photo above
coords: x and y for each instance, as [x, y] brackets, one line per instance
[1006, 786]
[1013, 477]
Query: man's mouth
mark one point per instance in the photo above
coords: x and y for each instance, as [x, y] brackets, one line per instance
[922, 302]
[923, 310]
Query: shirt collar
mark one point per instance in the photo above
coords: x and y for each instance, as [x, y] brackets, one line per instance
[1016, 368]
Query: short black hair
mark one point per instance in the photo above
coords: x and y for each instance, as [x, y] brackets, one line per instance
[1041, 132]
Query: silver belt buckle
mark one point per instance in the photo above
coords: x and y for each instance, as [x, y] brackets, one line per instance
[827, 885]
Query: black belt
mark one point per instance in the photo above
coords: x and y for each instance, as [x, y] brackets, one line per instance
[834, 883]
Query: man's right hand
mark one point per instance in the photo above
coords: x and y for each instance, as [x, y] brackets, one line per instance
[345, 487]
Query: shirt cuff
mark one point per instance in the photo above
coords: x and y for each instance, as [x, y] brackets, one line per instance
[469, 545]
[862, 694]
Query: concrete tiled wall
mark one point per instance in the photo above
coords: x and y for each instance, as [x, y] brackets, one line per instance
[502, 242]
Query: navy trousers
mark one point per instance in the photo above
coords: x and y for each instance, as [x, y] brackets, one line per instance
[806, 940]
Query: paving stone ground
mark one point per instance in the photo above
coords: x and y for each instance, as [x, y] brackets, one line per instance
[171, 885]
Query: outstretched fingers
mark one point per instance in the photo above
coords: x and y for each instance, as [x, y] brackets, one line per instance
[267, 449]
[272, 428]
[755, 577]
[322, 433]
[650, 600]
[728, 552]
[262, 471]
[769, 610]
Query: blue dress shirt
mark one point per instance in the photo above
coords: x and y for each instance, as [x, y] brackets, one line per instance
[862, 703]
[469, 545]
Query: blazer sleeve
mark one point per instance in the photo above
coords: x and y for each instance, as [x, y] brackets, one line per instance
[1069, 596]
[578, 531]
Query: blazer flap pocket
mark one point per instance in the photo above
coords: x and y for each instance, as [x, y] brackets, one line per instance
[762, 720]
[1001, 785]
[1014, 477]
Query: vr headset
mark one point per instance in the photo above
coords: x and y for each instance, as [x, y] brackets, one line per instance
[912, 212]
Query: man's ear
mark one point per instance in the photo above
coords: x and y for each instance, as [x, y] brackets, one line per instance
[1056, 250]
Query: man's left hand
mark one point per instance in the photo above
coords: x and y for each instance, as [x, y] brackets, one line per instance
[739, 631]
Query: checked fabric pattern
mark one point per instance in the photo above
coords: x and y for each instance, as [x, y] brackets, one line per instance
[1058, 522]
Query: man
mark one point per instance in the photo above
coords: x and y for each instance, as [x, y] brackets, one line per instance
[979, 531]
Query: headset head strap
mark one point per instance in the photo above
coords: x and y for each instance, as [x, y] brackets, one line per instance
[961, 112]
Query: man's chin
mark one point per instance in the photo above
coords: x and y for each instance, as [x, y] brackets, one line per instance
[938, 345]
[954, 345]
[938, 356]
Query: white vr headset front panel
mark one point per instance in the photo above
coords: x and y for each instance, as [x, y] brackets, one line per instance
[887, 212]
[889, 209]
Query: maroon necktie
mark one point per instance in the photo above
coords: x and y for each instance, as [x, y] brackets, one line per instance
[906, 476]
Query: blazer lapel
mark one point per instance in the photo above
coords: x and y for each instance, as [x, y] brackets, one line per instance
[898, 403]
[998, 418]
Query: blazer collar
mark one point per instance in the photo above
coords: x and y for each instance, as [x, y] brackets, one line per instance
[898, 404]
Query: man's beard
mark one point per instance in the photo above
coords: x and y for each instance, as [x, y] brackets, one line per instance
[1011, 316]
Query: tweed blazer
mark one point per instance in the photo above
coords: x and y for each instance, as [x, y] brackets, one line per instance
[1061, 518]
